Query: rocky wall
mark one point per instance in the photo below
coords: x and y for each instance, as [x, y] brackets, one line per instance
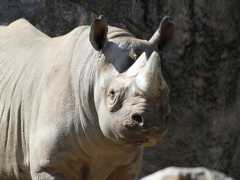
[201, 66]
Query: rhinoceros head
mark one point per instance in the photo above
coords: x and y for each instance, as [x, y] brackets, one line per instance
[131, 95]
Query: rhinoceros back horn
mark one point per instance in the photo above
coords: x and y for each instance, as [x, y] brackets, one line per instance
[150, 79]
[164, 33]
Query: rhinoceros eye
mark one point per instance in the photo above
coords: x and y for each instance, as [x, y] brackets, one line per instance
[111, 94]
[113, 100]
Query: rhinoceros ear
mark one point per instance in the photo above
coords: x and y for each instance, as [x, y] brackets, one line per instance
[98, 32]
[164, 33]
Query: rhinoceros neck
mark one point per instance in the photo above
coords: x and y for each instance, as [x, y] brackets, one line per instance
[83, 70]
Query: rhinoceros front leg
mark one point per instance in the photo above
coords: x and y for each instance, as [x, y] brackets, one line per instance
[47, 176]
[128, 172]
[46, 155]
[44, 171]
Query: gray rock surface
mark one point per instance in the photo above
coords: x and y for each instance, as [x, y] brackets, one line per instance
[202, 67]
[174, 173]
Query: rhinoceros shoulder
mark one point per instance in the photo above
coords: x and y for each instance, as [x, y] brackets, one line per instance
[22, 28]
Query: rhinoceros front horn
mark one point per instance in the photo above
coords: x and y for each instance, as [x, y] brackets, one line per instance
[150, 79]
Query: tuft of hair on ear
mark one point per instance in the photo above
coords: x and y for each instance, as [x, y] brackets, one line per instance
[98, 32]
[164, 33]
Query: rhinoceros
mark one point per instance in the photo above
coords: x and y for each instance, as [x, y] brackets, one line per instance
[79, 106]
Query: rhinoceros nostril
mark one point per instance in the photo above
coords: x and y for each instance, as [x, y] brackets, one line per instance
[138, 118]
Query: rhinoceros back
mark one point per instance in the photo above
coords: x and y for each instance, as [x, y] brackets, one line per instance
[26, 58]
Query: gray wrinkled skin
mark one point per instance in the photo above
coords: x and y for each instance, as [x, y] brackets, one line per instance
[66, 110]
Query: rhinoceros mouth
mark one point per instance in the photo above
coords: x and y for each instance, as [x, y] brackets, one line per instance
[146, 140]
